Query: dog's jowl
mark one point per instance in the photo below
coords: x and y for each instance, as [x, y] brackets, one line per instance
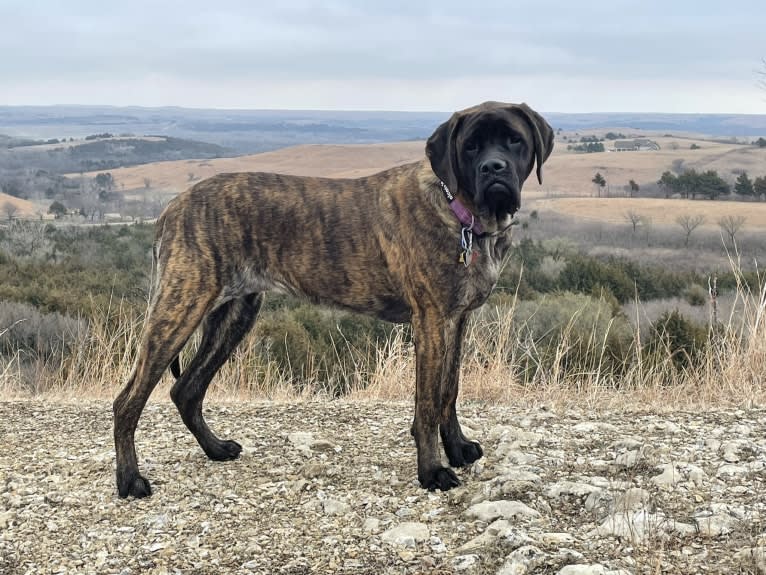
[421, 243]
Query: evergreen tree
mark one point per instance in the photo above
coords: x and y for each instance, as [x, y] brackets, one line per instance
[759, 187]
[744, 185]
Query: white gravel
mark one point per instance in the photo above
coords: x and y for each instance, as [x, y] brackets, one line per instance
[329, 487]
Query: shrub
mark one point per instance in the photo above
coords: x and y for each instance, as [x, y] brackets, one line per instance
[573, 332]
[676, 337]
[29, 333]
[311, 345]
[696, 295]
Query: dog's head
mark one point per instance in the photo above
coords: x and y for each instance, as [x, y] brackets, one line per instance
[488, 151]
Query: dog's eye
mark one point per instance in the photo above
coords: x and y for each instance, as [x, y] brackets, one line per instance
[471, 146]
[513, 140]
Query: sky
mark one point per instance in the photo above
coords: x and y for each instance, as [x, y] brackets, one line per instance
[675, 56]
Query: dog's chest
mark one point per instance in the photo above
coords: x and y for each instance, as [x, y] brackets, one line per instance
[482, 272]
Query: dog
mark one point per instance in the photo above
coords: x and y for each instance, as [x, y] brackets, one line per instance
[421, 243]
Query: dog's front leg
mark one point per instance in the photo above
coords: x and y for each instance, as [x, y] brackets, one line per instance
[432, 335]
[460, 450]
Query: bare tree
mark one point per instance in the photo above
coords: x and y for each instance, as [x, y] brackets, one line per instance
[26, 239]
[634, 219]
[647, 222]
[689, 224]
[730, 225]
[10, 209]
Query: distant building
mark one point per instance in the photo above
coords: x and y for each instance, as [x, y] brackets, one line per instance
[635, 145]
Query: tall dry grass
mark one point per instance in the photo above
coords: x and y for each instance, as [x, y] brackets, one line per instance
[501, 364]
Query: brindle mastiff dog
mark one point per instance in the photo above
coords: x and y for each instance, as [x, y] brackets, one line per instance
[421, 243]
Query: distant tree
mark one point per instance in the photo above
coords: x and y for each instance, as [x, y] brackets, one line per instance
[12, 188]
[57, 209]
[633, 188]
[760, 142]
[600, 182]
[104, 182]
[9, 209]
[634, 219]
[695, 147]
[687, 184]
[689, 224]
[710, 184]
[744, 185]
[730, 225]
[759, 187]
[668, 183]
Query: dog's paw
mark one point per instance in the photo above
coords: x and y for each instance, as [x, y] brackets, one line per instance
[463, 453]
[134, 485]
[441, 478]
[223, 450]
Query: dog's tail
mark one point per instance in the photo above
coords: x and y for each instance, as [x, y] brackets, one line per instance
[175, 367]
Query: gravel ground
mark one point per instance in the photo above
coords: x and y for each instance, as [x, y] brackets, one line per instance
[329, 487]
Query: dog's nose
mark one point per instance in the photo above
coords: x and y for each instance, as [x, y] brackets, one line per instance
[493, 165]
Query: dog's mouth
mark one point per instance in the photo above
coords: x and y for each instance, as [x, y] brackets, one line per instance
[501, 198]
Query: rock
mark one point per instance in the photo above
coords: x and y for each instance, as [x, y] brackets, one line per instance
[522, 561]
[489, 510]
[671, 474]
[500, 530]
[515, 456]
[335, 507]
[465, 562]
[583, 570]
[595, 569]
[557, 539]
[437, 545]
[306, 442]
[562, 488]
[719, 520]
[407, 534]
[371, 525]
[594, 427]
[631, 500]
[752, 557]
[641, 525]
[313, 470]
[599, 503]
[628, 460]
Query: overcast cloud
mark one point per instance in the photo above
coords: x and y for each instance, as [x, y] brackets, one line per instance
[558, 55]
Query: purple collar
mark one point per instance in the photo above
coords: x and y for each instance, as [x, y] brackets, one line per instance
[463, 214]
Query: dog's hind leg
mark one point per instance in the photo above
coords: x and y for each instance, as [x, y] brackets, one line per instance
[460, 450]
[170, 324]
[223, 329]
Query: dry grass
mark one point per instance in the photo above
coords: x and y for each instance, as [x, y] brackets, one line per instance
[731, 372]
[566, 172]
[660, 211]
[22, 208]
[331, 161]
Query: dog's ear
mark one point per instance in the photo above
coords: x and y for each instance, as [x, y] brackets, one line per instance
[542, 133]
[441, 150]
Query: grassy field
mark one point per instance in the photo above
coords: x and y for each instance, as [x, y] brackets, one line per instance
[565, 173]
[508, 357]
